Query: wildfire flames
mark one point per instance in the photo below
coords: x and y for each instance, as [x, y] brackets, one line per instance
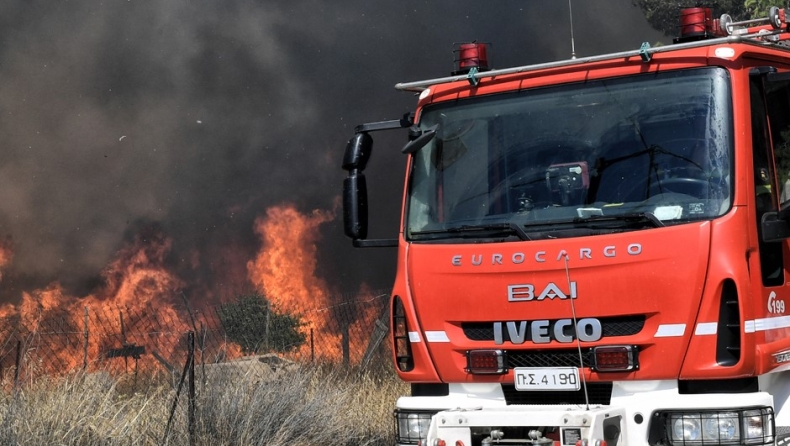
[138, 279]
[285, 270]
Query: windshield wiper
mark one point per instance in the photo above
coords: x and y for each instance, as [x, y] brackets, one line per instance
[517, 229]
[630, 217]
[634, 217]
[509, 228]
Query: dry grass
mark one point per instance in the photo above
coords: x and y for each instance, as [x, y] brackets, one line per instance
[308, 406]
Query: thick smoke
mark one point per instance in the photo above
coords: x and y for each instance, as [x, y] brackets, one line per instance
[190, 118]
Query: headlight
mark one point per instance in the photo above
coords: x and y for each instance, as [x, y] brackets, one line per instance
[412, 426]
[709, 427]
[685, 428]
[720, 427]
[717, 427]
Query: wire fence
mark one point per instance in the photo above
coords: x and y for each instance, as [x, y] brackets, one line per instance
[153, 338]
[180, 345]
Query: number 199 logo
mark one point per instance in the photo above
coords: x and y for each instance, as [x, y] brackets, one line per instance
[775, 305]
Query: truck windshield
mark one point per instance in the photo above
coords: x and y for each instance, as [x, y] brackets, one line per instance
[606, 155]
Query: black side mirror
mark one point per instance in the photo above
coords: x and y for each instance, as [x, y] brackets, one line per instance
[355, 191]
[357, 152]
[355, 206]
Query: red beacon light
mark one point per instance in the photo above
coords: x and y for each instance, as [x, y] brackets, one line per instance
[470, 57]
[698, 24]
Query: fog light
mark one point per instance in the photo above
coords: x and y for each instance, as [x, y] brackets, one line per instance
[758, 426]
[485, 362]
[411, 427]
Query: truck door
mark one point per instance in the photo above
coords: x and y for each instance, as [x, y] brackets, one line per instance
[770, 108]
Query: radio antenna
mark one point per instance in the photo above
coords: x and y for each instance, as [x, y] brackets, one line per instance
[573, 45]
[576, 328]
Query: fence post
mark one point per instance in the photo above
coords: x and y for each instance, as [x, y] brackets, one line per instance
[346, 345]
[191, 388]
[203, 355]
[17, 363]
[380, 330]
[266, 328]
[188, 368]
[85, 343]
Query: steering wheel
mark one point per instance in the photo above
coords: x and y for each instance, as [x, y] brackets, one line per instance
[685, 177]
[695, 187]
[681, 183]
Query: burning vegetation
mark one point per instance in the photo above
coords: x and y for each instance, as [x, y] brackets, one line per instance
[148, 308]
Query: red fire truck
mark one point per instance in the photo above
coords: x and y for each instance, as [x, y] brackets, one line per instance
[595, 250]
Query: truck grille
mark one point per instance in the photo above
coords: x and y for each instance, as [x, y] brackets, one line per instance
[598, 393]
[612, 326]
[547, 358]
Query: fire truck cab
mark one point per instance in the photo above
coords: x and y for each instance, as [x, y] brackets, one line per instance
[595, 250]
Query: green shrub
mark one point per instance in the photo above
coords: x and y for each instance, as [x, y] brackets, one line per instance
[255, 324]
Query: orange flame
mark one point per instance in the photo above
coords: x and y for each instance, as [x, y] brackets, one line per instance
[134, 281]
[137, 283]
[285, 272]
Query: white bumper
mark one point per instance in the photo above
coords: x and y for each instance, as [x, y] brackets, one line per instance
[633, 406]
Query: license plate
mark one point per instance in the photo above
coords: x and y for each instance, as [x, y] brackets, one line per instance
[538, 378]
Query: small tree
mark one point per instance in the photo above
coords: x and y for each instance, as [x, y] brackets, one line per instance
[255, 324]
[759, 8]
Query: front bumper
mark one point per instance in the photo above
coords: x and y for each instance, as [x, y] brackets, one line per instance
[639, 413]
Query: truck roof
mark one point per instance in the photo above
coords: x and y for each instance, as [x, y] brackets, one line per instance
[764, 36]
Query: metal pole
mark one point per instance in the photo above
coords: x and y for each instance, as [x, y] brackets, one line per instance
[418, 86]
[178, 394]
[202, 355]
[123, 338]
[346, 345]
[85, 343]
[266, 330]
[17, 362]
[191, 388]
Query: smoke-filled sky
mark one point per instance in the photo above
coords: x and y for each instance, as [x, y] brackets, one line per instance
[189, 118]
